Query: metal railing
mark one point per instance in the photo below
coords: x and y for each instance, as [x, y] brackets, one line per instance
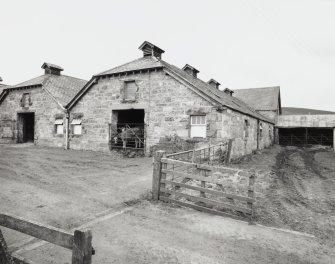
[127, 135]
[212, 155]
[294, 140]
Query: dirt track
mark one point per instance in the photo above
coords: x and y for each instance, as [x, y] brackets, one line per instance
[301, 189]
[69, 188]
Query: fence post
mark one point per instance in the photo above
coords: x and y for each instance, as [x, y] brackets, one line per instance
[251, 195]
[156, 175]
[82, 247]
[5, 257]
[230, 145]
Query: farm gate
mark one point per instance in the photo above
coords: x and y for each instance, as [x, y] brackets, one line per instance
[80, 242]
[200, 179]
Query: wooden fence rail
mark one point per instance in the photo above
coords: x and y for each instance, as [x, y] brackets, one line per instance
[202, 186]
[80, 242]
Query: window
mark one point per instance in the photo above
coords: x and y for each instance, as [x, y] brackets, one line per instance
[260, 129]
[59, 126]
[130, 90]
[76, 125]
[25, 100]
[198, 126]
[246, 128]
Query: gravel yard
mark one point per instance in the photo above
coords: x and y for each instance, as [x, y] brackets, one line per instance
[67, 189]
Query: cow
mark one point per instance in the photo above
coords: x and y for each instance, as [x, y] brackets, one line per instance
[132, 134]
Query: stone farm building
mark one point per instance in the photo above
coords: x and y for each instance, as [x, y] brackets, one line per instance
[34, 111]
[156, 102]
[265, 101]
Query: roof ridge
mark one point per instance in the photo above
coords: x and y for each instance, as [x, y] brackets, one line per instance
[64, 75]
[124, 64]
[220, 95]
[267, 87]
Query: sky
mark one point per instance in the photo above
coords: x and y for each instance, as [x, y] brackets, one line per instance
[240, 43]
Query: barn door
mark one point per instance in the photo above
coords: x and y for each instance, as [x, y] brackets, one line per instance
[20, 126]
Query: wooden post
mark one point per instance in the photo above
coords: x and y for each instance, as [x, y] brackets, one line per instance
[230, 145]
[82, 247]
[5, 257]
[156, 175]
[203, 183]
[251, 195]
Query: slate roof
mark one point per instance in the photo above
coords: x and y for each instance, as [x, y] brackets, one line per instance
[266, 98]
[304, 111]
[149, 62]
[62, 87]
[3, 87]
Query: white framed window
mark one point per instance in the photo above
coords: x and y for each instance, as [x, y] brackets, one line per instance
[59, 126]
[76, 125]
[130, 89]
[198, 126]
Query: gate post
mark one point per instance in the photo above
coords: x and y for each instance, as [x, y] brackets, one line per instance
[82, 247]
[5, 257]
[156, 175]
[251, 195]
[230, 146]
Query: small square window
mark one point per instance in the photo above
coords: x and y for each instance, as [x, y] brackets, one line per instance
[76, 125]
[130, 90]
[198, 126]
[59, 126]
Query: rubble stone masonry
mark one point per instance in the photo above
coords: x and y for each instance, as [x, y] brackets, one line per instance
[168, 105]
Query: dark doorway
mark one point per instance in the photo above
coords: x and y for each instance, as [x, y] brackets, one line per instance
[26, 127]
[306, 136]
[127, 129]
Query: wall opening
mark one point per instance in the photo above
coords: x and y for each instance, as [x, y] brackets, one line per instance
[26, 127]
[305, 136]
[127, 129]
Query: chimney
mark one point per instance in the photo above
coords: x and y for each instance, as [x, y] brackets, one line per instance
[228, 91]
[214, 83]
[191, 70]
[51, 68]
[1, 79]
[150, 49]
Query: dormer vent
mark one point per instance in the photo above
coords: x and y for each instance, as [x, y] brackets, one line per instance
[150, 49]
[214, 83]
[190, 70]
[51, 68]
[228, 91]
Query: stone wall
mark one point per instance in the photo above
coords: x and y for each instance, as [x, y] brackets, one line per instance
[46, 111]
[168, 105]
[246, 142]
[306, 121]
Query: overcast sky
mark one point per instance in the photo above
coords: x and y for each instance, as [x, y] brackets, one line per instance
[240, 43]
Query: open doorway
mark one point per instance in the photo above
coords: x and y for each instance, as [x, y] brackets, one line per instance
[127, 129]
[26, 127]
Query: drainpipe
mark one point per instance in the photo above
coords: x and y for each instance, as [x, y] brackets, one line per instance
[257, 134]
[67, 116]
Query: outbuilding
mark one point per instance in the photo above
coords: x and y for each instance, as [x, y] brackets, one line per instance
[148, 103]
[34, 110]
